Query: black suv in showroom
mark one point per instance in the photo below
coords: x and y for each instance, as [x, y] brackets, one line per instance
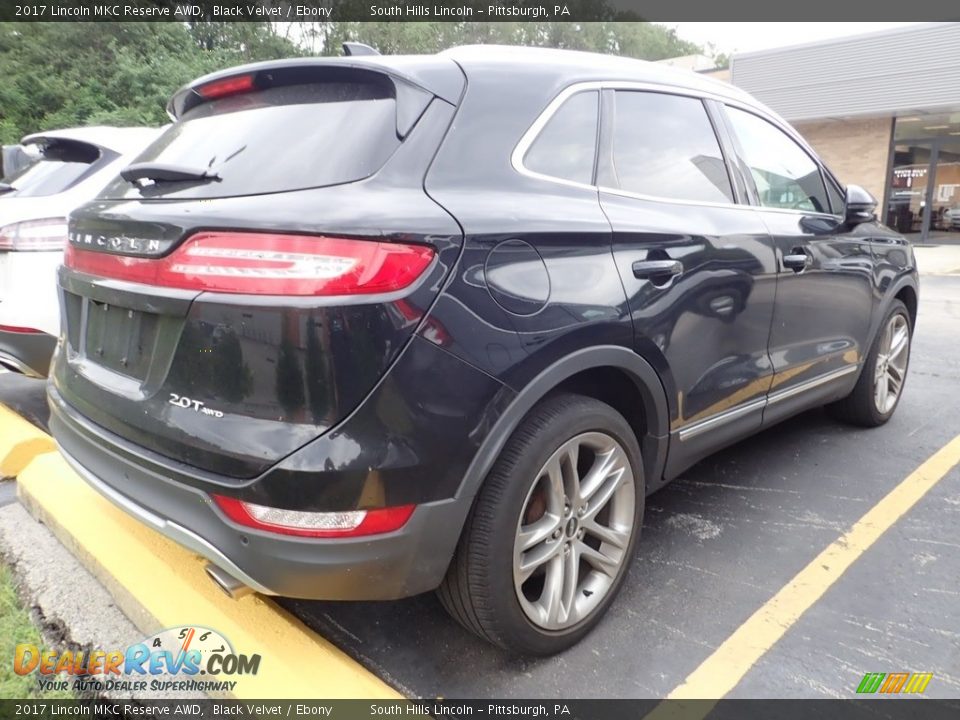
[365, 327]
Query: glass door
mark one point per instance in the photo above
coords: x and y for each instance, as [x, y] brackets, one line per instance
[945, 190]
[908, 201]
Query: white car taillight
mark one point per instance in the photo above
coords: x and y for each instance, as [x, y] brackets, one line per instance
[34, 235]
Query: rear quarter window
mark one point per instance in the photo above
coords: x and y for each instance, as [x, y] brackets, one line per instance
[566, 146]
[280, 139]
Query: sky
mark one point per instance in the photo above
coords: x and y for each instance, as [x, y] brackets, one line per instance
[729, 37]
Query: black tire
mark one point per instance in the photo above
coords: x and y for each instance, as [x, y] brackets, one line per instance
[859, 407]
[479, 590]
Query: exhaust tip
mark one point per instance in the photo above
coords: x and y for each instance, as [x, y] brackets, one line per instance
[228, 584]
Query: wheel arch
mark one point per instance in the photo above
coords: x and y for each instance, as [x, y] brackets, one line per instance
[568, 373]
[584, 371]
[907, 294]
[904, 289]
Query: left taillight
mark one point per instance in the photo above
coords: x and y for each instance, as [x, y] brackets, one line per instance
[34, 235]
[267, 264]
[354, 523]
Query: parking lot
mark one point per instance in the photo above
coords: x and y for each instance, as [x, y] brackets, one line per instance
[717, 545]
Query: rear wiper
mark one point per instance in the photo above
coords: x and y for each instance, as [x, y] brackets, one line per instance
[6, 187]
[162, 172]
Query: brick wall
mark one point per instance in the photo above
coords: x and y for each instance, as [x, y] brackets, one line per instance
[856, 150]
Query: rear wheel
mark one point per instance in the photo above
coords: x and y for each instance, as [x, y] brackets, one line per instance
[550, 538]
[878, 391]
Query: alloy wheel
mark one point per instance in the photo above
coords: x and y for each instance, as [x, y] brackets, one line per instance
[891, 368]
[574, 531]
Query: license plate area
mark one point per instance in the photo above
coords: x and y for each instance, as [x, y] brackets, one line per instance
[120, 339]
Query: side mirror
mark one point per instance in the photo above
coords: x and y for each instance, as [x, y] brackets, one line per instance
[860, 206]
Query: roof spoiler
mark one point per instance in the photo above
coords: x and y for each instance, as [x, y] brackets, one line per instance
[438, 76]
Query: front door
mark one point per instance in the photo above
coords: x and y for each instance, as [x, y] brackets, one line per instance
[821, 324]
[698, 268]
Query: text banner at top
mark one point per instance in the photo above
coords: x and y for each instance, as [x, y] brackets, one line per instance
[473, 10]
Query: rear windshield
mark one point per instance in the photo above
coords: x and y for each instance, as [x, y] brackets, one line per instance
[60, 166]
[284, 138]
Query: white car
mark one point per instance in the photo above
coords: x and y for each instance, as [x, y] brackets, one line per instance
[951, 218]
[71, 167]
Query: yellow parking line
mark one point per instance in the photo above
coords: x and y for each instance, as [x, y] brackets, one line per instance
[20, 442]
[170, 585]
[719, 674]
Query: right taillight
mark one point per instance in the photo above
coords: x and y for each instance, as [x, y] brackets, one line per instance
[36, 235]
[267, 264]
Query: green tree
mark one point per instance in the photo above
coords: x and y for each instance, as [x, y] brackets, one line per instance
[68, 74]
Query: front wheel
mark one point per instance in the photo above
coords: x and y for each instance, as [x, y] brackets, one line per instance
[551, 535]
[880, 387]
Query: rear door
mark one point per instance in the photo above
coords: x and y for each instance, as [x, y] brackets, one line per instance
[821, 322]
[697, 266]
[225, 321]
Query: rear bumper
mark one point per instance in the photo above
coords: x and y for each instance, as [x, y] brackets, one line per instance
[28, 353]
[382, 567]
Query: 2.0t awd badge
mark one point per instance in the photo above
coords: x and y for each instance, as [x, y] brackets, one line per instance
[195, 405]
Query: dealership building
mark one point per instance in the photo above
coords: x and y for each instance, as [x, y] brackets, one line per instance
[883, 111]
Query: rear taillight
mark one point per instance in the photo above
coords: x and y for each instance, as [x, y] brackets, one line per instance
[267, 264]
[355, 523]
[20, 329]
[36, 235]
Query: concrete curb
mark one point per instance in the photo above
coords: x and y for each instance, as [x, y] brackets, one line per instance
[20, 442]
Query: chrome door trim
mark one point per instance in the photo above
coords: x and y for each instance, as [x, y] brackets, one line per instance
[810, 384]
[722, 418]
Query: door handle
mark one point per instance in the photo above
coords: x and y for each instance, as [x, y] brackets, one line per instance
[659, 272]
[798, 260]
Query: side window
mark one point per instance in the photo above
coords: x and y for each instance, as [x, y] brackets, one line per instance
[786, 176]
[567, 144]
[665, 146]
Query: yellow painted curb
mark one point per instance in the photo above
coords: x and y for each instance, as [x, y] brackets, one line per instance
[169, 583]
[20, 442]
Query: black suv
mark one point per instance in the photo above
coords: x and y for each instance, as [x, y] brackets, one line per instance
[365, 327]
